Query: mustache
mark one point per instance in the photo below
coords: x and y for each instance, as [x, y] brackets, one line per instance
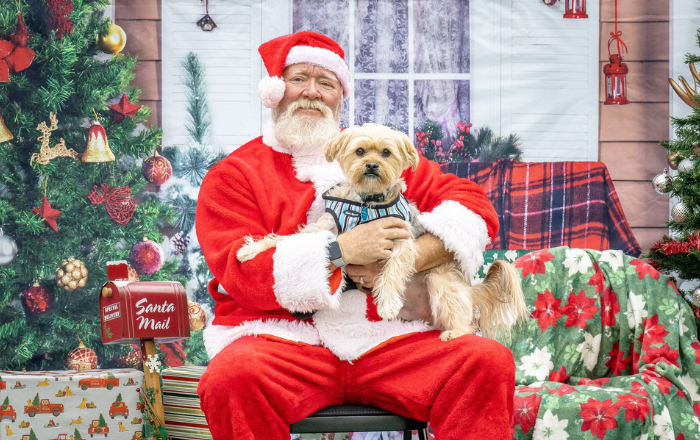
[305, 103]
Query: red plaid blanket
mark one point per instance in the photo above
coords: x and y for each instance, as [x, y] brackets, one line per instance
[546, 204]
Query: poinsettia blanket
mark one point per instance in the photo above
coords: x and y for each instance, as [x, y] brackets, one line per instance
[610, 352]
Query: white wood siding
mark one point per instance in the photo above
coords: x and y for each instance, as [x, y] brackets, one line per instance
[229, 54]
[536, 74]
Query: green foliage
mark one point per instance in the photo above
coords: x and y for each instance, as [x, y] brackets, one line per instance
[102, 420]
[6, 401]
[71, 78]
[198, 120]
[76, 434]
[32, 436]
[36, 400]
[119, 397]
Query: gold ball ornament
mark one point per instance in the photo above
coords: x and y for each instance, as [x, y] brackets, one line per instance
[197, 315]
[673, 159]
[71, 275]
[113, 42]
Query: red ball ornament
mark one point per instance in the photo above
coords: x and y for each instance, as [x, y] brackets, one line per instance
[81, 358]
[36, 299]
[147, 257]
[157, 169]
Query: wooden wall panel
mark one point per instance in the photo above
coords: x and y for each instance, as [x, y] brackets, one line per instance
[629, 134]
[141, 20]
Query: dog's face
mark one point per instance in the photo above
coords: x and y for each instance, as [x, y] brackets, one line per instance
[372, 156]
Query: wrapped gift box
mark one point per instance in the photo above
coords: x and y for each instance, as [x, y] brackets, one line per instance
[184, 418]
[54, 404]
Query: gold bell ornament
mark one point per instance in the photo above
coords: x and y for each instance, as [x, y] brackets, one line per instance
[113, 42]
[5, 134]
[97, 145]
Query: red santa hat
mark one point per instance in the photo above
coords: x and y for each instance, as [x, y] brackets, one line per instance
[302, 47]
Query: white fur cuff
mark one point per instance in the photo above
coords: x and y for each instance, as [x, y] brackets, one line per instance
[300, 269]
[462, 231]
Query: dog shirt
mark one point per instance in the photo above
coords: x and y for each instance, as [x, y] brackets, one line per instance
[348, 214]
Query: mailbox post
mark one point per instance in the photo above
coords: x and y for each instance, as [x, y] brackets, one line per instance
[142, 312]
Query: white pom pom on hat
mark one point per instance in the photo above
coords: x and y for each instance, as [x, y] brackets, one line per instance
[302, 47]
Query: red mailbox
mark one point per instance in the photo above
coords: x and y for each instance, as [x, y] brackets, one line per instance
[131, 311]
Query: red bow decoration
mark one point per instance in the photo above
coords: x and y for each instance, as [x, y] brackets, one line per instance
[15, 56]
[118, 201]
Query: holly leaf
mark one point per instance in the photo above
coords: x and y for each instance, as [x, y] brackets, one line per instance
[669, 307]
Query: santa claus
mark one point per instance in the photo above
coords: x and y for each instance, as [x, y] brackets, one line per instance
[292, 334]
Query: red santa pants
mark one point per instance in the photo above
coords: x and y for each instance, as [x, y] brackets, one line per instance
[255, 388]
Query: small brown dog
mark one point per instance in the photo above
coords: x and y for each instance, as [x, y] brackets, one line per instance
[372, 158]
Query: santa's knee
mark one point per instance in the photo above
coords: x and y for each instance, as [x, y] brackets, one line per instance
[232, 373]
[487, 355]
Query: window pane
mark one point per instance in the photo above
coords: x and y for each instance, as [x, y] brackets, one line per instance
[328, 17]
[382, 101]
[443, 101]
[381, 36]
[441, 36]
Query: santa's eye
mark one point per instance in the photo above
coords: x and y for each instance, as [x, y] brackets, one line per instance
[386, 153]
[360, 152]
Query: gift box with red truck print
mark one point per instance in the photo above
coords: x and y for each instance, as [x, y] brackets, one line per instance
[69, 404]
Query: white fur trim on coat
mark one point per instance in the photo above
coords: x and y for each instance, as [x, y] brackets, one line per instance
[300, 269]
[271, 90]
[324, 58]
[348, 333]
[217, 337]
[462, 231]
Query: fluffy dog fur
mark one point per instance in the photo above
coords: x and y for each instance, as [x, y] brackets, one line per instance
[372, 158]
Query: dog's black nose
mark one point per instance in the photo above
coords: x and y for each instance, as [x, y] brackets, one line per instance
[372, 167]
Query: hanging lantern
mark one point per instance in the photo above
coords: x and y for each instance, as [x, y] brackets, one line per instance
[616, 71]
[206, 23]
[615, 81]
[97, 146]
[575, 9]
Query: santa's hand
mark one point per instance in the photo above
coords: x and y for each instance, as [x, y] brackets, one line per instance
[373, 241]
[364, 275]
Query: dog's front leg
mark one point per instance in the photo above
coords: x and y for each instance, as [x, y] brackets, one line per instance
[390, 284]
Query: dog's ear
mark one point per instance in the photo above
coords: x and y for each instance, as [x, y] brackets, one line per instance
[408, 150]
[337, 144]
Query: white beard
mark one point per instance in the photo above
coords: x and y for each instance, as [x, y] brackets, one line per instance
[304, 137]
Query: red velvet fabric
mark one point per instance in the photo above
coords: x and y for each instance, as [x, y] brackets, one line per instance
[255, 388]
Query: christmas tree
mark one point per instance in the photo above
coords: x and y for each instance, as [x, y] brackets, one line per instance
[72, 193]
[679, 254]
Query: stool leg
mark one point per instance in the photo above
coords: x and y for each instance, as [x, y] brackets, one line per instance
[423, 434]
[407, 435]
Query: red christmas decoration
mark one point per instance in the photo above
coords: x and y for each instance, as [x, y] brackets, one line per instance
[147, 257]
[118, 201]
[575, 9]
[15, 56]
[157, 169]
[36, 299]
[670, 247]
[123, 109]
[616, 71]
[59, 16]
[81, 358]
[48, 213]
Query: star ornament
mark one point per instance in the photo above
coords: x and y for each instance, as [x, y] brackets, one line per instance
[123, 109]
[48, 214]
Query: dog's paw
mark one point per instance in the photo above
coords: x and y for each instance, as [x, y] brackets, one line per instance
[388, 306]
[248, 251]
[456, 333]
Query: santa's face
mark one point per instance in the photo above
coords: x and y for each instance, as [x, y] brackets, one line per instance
[313, 83]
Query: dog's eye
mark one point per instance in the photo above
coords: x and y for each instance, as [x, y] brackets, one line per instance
[360, 152]
[386, 153]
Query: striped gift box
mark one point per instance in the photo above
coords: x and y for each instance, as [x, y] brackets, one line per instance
[184, 418]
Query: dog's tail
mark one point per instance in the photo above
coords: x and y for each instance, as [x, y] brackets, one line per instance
[500, 301]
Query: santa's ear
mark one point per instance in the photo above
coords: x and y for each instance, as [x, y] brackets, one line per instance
[333, 148]
[408, 150]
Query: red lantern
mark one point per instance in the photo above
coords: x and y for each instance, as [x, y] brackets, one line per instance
[616, 71]
[615, 81]
[575, 9]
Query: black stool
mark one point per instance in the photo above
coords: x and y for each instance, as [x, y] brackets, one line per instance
[358, 418]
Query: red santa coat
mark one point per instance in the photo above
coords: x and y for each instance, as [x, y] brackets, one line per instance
[261, 188]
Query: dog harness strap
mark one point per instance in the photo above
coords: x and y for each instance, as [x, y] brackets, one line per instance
[348, 214]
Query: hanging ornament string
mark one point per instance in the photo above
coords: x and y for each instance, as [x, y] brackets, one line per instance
[206, 7]
[616, 36]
